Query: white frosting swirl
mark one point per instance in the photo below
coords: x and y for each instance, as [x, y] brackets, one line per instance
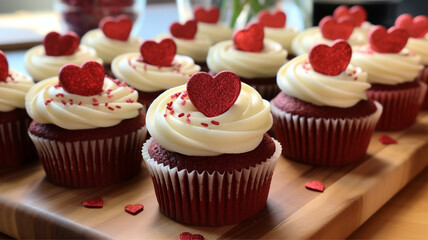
[48, 103]
[196, 48]
[215, 32]
[240, 129]
[223, 56]
[149, 78]
[298, 79]
[108, 48]
[387, 68]
[41, 66]
[13, 90]
[282, 35]
[419, 46]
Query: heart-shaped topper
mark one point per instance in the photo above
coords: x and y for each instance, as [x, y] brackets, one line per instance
[186, 31]
[336, 29]
[189, 236]
[61, 45]
[213, 96]
[159, 54]
[416, 27]
[250, 39]
[275, 20]
[118, 28]
[330, 60]
[211, 15]
[4, 67]
[87, 80]
[357, 13]
[391, 41]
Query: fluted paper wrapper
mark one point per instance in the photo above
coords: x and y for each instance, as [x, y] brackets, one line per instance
[423, 77]
[267, 91]
[324, 142]
[211, 199]
[400, 108]
[91, 163]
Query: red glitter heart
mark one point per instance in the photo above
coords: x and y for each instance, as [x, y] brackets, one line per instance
[186, 31]
[57, 45]
[391, 41]
[87, 80]
[4, 67]
[275, 20]
[213, 96]
[189, 236]
[93, 203]
[315, 185]
[159, 54]
[117, 28]
[385, 139]
[336, 29]
[211, 15]
[330, 60]
[250, 39]
[134, 209]
[416, 27]
[357, 13]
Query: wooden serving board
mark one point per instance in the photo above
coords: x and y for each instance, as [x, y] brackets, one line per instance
[32, 207]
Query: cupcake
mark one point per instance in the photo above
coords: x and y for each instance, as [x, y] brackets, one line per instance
[253, 58]
[209, 24]
[392, 70]
[322, 115]
[154, 69]
[417, 28]
[16, 147]
[275, 28]
[209, 139]
[45, 61]
[87, 127]
[111, 39]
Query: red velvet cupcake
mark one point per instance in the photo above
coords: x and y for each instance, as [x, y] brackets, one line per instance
[322, 115]
[210, 158]
[87, 128]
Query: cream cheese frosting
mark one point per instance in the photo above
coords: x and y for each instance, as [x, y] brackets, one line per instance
[196, 48]
[178, 126]
[150, 78]
[40, 66]
[223, 56]
[420, 47]
[107, 49]
[282, 35]
[48, 103]
[298, 79]
[216, 32]
[387, 68]
[13, 90]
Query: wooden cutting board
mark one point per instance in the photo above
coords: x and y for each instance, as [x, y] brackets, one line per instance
[32, 207]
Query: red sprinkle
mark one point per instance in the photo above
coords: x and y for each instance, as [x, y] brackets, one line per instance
[59, 95]
[80, 103]
[165, 115]
[110, 108]
[215, 122]
[71, 101]
[117, 106]
[183, 102]
[204, 124]
[129, 101]
[171, 112]
[64, 102]
[94, 100]
[96, 104]
[57, 85]
[180, 115]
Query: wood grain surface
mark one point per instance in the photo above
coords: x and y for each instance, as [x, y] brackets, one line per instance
[31, 207]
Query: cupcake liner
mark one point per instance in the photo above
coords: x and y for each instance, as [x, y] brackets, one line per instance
[91, 163]
[423, 77]
[16, 147]
[400, 107]
[267, 91]
[324, 142]
[211, 199]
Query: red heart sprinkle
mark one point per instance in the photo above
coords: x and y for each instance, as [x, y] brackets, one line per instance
[4, 67]
[275, 20]
[159, 54]
[211, 15]
[336, 29]
[357, 13]
[213, 96]
[416, 27]
[186, 31]
[118, 28]
[315, 185]
[250, 39]
[57, 45]
[385, 139]
[330, 60]
[134, 209]
[93, 203]
[87, 80]
[391, 41]
[189, 236]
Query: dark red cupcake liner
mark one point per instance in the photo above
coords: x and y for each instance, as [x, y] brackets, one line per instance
[215, 199]
[423, 77]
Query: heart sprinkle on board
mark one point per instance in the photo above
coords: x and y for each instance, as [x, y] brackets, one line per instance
[93, 203]
[315, 185]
